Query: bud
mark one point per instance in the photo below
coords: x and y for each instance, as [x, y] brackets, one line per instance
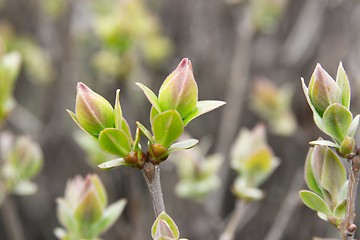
[157, 153]
[135, 159]
[347, 146]
[323, 90]
[92, 112]
[164, 228]
[84, 207]
[179, 91]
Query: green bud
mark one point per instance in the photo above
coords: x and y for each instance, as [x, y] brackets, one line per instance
[135, 159]
[157, 153]
[164, 228]
[179, 91]
[323, 90]
[347, 146]
[92, 112]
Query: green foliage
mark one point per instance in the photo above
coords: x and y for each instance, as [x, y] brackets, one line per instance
[164, 228]
[254, 161]
[83, 211]
[330, 102]
[22, 161]
[325, 176]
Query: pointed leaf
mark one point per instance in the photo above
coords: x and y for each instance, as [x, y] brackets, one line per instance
[187, 144]
[112, 163]
[203, 107]
[164, 216]
[340, 209]
[309, 175]
[150, 96]
[109, 217]
[146, 132]
[314, 202]
[353, 126]
[65, 215]
[167, 127]
[337, 120]
[316, 116]
[114, 141]
[324, 143]
[89, 209]
[73, 117]
[117, 111]
[333, 174]
[343, 83]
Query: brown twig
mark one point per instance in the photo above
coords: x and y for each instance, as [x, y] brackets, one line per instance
[349, 228]
[151, 174]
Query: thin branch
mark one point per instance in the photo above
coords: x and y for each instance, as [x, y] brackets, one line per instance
[11, 221]
[230, 230]
[151, 174]
[348, 229]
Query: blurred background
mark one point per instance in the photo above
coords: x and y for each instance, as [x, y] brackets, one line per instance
[249, 53]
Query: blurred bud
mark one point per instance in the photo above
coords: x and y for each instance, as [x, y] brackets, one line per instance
[325, 176]
[273, 103]
[92, 112]
[23, 160]
[253, 159]
[9, 69]
[157, 153]
[179, 91]
[347, 146]
[84, 207]
[164, 228]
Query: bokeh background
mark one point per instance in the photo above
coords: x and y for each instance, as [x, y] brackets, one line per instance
[114, 43]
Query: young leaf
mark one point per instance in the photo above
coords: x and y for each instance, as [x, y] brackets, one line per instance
[333, 174]
[343, 83]
[112, 163]
[337, 120]
[324, 143]
[117, 111]
[309, 175]
[165, 217]
[353, 126]
[167, 127]
[146, 132]
[314, 202]
[187, 144]
[340, 209]
[150, 96]
[203, 107]
[114, 141]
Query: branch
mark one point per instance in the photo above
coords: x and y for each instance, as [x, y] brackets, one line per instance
[151, 174]
[11, 221]
[230, 230]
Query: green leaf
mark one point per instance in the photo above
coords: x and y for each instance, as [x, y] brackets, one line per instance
[73, 117]
[146, 132]
[65, 215]
[112, 163]
[203, 107]
[340, 209]
[337, 120]
[89, 209]
[117, 111]
[114, 141]
[25, 188]
[325, 143]
[333, 174]
[109, 217]
[343, 83]
[167, 127]
[164, 216]
[317, 119]
[150, 96]
[183, 145]
[309, 174]
[353, 126]
[314, 202]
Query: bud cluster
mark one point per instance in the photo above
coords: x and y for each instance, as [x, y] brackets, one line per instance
[325, 176]
[254, 161]
[330, 103]
[176, 105]
[84, 210]
[22, 159]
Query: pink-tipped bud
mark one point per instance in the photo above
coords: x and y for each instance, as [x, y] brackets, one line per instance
[179, 91]
[93, 112]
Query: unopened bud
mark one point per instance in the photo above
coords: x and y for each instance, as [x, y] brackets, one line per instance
[158, 153]
[347, 145]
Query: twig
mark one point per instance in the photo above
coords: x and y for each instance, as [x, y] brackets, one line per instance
[230, 230]
[151, 174]
[11, 221]
[348, 229]
[286, 211]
